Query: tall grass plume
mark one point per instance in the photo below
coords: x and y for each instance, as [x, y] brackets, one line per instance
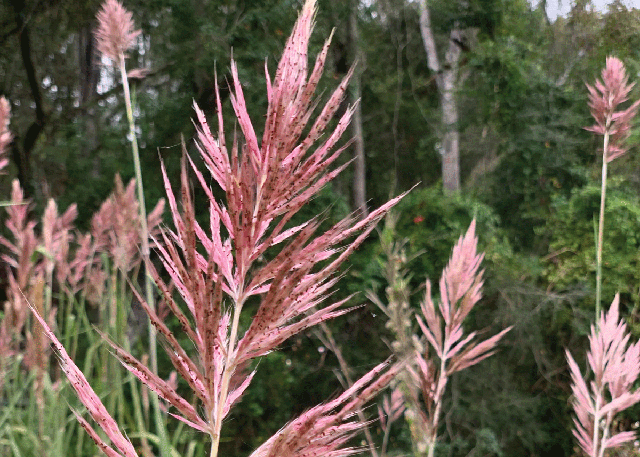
[604, 99]
[217, 269]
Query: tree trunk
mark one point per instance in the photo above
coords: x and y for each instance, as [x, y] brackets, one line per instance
[359, 170]
[447, 81]
[449, 106]
[22, 155]
[88, 76]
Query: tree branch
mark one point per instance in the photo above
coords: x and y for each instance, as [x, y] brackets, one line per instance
[429, 42]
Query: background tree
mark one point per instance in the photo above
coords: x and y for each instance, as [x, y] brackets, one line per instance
[446, 76]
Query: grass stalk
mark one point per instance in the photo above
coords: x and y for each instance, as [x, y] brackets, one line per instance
[144, 230]
[230, 365]
[144, 236]
[603, 195]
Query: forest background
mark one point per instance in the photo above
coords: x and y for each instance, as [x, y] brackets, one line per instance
[527, 172]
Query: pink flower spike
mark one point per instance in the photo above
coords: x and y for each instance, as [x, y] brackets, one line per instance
[115, 33]
[616, 367]
[604, 98]
[248, 251]
[460, 290]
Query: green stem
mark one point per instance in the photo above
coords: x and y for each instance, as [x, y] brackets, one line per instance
[603, 194]
[144, 235]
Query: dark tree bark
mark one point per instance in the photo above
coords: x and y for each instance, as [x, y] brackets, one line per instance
[89, 73]
[22, 153]
[88, 68]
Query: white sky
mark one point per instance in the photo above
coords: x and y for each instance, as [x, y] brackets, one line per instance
[555, 7]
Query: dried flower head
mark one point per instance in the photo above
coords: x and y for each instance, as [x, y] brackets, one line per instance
[19, 257]
[604, 98]
[116, 225]
[5, 134]
[615, 366]
[460, 290]
[115, 34]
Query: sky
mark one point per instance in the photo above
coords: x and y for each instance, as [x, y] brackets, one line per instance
[556, 7]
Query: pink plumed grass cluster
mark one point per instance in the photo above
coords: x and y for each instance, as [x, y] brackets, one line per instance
[614, 362]
[52, 254]
[615, 126]
[115, 227]
[440, 347]
[32, 255]
[251, 252]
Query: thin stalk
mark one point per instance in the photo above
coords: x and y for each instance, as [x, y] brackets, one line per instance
[326, 337]
[442, 382]
[385, 441]
[230, 363]
[121, 337]
[137, 411]
[596, 427]
[38, 384]
[605, 433]
[603, 193]
[111, 364]
[144, 235]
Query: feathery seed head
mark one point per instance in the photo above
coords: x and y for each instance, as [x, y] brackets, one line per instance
[616, 366]
[116, 225]
[460, 290]
[115, 33]
[216, 269]
[604, 98]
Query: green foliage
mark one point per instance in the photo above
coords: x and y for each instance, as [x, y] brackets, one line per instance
[25, 430]
[570, 227]
[542, 151]
[432, 222]
[484, 15]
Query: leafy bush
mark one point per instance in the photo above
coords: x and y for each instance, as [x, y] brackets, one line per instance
[571, 227]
